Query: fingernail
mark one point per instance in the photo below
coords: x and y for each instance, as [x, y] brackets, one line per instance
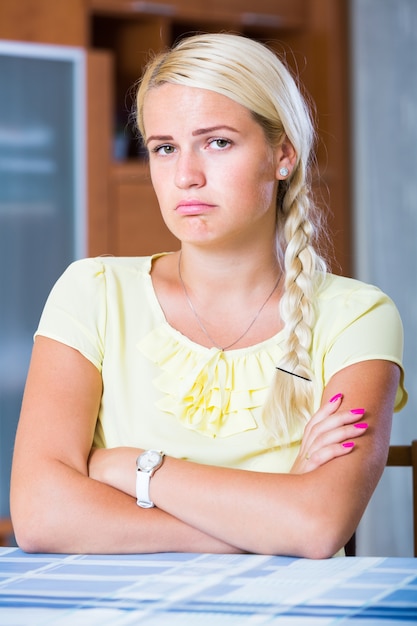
[357, 411]
[361, 425]
[348, 444]
[336, 397]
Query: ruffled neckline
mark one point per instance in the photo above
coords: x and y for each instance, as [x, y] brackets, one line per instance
[216, 393]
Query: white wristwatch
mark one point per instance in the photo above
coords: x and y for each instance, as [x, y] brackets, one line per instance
[147, 463]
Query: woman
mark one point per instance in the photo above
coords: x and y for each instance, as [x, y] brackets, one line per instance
[268, 384]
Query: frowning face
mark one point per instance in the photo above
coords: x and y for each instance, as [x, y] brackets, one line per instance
[214, 174]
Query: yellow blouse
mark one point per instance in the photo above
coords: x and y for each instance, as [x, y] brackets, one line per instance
[162, 390]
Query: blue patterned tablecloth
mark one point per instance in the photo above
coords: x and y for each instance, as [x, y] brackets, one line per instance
[217, 590]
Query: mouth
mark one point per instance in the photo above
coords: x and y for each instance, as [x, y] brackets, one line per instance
[193, 207]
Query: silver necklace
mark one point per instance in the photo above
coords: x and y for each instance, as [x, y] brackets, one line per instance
[200, 323]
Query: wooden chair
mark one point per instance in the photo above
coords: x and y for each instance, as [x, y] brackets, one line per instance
[6, 531]
[399, 456]
[406, 456]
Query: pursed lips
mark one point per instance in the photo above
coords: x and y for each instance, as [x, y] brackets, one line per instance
[193, 207]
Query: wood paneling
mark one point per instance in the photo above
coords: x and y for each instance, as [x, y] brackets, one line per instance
[99, 149]
[44, 21]
[136, 221]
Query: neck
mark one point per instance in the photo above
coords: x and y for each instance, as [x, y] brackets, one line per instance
[203, 326]
[229, 273]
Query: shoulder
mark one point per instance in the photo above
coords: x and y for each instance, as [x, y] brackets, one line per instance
[89, 280]
[334, 286]
[355, 322]
[356, 309]
[92, 272]
[357, 314]
[350, 294]
[95, 266]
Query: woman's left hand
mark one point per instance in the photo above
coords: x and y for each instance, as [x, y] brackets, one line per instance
[329, 435]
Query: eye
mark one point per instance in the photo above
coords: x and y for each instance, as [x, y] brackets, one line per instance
[219, 143]
[163, 150]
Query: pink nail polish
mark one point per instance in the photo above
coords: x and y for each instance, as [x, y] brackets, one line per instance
[348, 444]
[336, 397]
[361, 425]
[357, 411]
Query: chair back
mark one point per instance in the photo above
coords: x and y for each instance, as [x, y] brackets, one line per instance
[406, 456]
[398, 456]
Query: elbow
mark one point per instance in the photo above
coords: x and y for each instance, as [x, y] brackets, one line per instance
[32, 538]
[321, 548]
[31, 528]
[310, 538]
[29, 536]
[27, 543]
[25, 537]
[321, 538]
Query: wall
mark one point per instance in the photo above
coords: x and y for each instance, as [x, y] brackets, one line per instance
[384, 84]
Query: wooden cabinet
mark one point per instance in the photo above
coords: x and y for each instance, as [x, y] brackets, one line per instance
[44, 21]
[270, 13]
[137, 224]
[119, 34]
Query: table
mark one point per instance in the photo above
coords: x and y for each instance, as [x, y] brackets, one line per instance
[216, 590]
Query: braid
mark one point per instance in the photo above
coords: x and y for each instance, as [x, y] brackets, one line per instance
[290, 401]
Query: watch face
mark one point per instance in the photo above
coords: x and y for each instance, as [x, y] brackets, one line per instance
[149, 460]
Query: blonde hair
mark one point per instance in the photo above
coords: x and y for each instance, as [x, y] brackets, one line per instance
[252, 75]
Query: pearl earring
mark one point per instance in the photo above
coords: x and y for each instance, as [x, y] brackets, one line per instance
[284, 171]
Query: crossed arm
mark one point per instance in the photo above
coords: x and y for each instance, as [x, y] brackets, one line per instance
[67, 498]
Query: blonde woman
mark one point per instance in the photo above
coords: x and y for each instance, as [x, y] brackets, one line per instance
[230, 396]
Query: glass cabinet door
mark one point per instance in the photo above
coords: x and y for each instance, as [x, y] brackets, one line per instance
[42, 205]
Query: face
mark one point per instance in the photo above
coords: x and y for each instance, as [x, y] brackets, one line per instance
[214, 174]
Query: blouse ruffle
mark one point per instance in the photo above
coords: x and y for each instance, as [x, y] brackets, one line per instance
[212, 392]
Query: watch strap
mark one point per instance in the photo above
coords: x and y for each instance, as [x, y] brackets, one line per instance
[143, 480]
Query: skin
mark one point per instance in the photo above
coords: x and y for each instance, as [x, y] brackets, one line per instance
[216, 190]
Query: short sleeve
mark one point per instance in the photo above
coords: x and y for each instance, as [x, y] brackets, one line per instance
[364, 326]
[75, 311]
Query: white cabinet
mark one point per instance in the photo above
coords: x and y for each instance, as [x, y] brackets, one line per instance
[42, 204]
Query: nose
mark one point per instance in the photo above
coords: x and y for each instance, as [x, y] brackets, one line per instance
[189, 171]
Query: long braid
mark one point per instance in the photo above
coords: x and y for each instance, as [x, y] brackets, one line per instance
[290, 401]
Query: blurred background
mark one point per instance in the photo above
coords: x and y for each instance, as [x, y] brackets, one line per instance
[73, 181]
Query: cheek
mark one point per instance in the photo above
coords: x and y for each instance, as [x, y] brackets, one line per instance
[259, 184]
[266, 179]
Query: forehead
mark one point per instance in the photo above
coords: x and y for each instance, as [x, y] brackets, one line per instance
[187, 106]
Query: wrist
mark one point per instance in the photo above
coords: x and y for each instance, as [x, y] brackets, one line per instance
[147, 463]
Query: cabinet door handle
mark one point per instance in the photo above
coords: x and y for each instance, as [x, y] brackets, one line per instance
[262, 19]
[155, 8]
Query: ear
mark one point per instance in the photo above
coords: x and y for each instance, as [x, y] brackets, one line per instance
[286, 159]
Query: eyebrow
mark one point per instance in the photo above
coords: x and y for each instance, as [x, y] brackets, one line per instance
[195, 133]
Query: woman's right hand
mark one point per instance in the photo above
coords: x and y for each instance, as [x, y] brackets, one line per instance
[328, 435]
